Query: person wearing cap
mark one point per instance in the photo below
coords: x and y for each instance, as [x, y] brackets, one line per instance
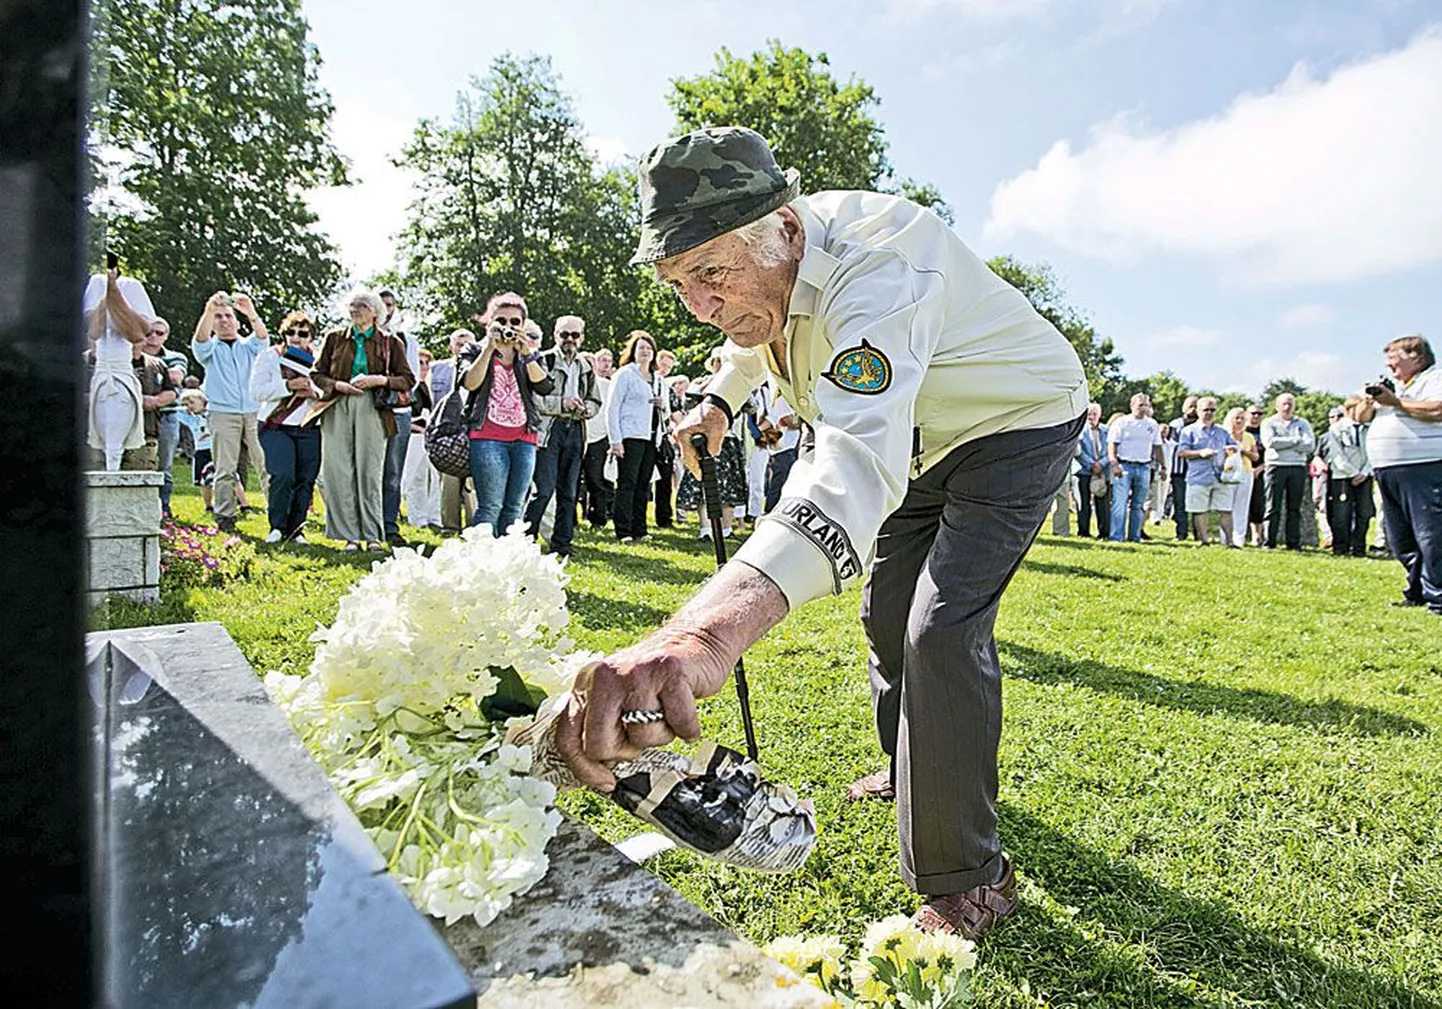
[177, 366]
[280, 382]
[945, 413]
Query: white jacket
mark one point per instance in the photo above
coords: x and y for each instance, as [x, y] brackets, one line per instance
[902, 344]
[629, 411]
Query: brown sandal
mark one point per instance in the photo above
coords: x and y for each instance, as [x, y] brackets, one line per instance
[873, 786]
[971, 914]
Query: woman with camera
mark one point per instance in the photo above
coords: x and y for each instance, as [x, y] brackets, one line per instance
[361, 372]
[502, 372]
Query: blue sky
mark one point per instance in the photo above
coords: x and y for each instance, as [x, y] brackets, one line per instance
[1233, 190]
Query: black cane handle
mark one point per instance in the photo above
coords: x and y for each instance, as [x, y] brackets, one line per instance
[710, 484]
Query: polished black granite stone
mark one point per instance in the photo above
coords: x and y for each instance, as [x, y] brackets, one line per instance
[231, 873]
[45, 947]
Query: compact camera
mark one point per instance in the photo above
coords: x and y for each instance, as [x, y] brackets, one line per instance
[1376, 388]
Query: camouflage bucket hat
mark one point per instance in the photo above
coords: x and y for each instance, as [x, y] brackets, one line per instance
[704, 184]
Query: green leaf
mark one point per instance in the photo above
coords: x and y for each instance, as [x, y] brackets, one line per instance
[513, 697]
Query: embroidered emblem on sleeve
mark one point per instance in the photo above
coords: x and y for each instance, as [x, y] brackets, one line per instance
[861, 369]
[810, 521]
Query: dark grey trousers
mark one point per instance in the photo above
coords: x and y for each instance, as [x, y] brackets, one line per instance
[943, 559]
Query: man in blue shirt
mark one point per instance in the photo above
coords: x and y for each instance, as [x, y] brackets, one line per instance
[1206, 447]
[227, 360]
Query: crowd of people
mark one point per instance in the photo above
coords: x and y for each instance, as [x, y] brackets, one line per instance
[562, 434]
[1266, 480]
[556, 434]
[870, 317]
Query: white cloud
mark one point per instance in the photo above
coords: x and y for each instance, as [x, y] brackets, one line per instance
[1235, 371]
[1315, 181]
[1308, 316]
[1314, 369]
[362, 218]
[973, 62]
[607, 150]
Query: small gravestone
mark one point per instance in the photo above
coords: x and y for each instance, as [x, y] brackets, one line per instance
[122, 535]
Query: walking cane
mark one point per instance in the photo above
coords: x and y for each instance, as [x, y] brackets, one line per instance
[711, 492]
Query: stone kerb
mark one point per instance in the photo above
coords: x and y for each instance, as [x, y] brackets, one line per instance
[122, 534]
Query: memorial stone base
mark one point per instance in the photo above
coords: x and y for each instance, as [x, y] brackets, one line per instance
[231, 874]
[122, 535]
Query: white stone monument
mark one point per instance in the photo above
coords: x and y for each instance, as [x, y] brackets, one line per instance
[122, 534]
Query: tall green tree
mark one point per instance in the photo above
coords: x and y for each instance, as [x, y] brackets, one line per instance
[208, 123]
[824, 129]
[1103, 365]
[510, 198]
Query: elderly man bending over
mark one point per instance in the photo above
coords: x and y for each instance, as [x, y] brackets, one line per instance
[945, 411]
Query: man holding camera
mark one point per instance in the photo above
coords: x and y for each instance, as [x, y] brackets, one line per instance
[228, 360]
[1405, 447]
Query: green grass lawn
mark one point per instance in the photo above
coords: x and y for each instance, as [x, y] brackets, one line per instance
[1221, 779]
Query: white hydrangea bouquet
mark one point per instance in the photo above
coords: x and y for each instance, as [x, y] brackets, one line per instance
[898, 965]
[407, 703]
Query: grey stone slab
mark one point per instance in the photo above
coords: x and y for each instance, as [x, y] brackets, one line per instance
[600, 930]
[128, 506]
[144, 594]
[231, 873]
[117, 562]
[151, 563]
[99, 479]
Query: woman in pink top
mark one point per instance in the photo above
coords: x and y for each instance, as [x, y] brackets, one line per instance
[502, 373]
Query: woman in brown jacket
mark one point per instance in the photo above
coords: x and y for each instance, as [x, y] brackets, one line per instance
[356, 364]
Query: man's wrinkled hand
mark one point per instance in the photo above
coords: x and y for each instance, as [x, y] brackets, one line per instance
[665, 672]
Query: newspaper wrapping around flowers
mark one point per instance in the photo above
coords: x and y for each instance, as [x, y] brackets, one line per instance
[715, 803]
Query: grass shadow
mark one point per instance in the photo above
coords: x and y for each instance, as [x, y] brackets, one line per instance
[118, 613]
[1185, 940]
[1204, 698]
[614, 614]
[1071, 571]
